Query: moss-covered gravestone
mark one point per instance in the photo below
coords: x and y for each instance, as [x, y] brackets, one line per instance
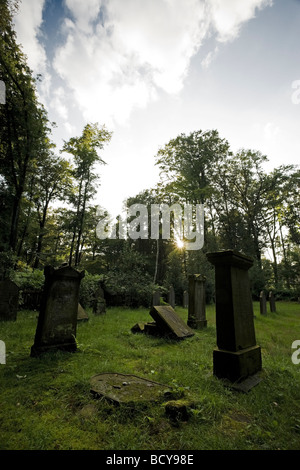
[99, 306]
[237, 356]
[196, 308]
[9, 300]
[56, 328]
[263, 303]
[171, 297]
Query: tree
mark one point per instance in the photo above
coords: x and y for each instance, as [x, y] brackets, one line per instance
[52, 182]
[84, 150]
[24, 123]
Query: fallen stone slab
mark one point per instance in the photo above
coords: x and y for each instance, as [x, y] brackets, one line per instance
[127, 389]
[169, 323]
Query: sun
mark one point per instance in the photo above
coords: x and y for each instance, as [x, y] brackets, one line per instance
[179, 243]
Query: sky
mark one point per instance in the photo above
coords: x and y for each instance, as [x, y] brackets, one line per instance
[150, 70]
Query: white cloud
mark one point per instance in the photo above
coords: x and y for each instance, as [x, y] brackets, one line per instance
[28, 21]
[228, 17]
[58, 103]
[119, 55]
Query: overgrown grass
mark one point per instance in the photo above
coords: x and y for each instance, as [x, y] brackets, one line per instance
[46, 402]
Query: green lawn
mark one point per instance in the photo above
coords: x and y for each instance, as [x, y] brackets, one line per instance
[45, 403]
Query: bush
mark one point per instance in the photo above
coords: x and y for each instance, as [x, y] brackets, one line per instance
[88, 286]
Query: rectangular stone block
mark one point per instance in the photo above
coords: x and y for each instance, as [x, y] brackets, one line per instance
[237, 366]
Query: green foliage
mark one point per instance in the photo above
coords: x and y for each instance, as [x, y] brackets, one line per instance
[88, 286]
[29, 279]
[128, 281]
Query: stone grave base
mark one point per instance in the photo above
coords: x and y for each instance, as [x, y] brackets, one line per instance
[127, 389]
[197, 324]
[38, 350]
[237, 366]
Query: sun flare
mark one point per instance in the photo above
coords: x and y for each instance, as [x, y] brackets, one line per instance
[179, 243]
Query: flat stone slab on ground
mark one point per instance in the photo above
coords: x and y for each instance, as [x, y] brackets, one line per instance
[127, 389]
[169, 322]
[245, 385]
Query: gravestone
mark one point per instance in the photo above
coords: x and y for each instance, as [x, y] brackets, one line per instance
[171, 297]
[272, 302]
[56, 328]
[9, 300]
[169, 323]
[185, 300]
[81, 314]
[196, 309]
[156, 298]
[99, 306]
[125, 389]
[263, 303]
[237, 356]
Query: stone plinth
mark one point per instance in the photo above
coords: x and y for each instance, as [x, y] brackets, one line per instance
[237, 355]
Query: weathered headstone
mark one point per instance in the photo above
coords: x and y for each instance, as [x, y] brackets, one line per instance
[169, 323]
[272, 302]
[125, 389]
[185, 299]
[263, 303]
[56, 328]
[196, 309]
[81, 314]
[9, 300]
[99, 307]
[156, 298]
[171, 297]
[237, 356]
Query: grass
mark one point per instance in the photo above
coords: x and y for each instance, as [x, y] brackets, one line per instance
[46, 404]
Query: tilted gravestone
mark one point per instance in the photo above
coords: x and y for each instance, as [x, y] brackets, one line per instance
[99, 306]
[81, 314]
[263, 303]
[185, 299]
[9, 300]
[171, 297]
[169, 323]
[237, 356]
[56, 328]
[196, 309]
[272, 302]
